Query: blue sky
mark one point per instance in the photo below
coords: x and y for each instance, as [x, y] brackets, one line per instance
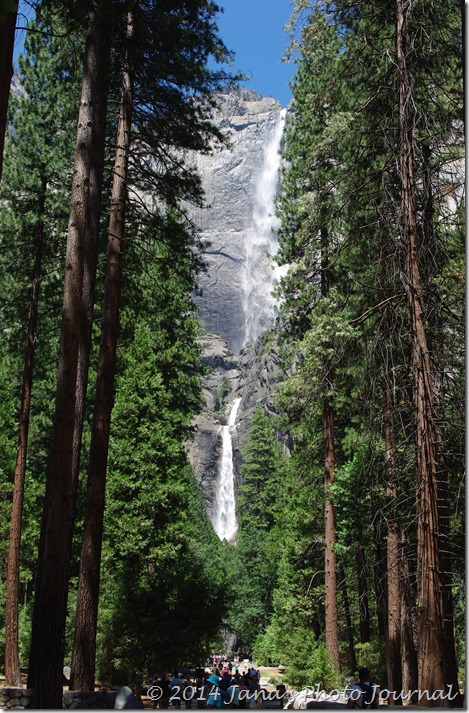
[24, 14]
[254, 30]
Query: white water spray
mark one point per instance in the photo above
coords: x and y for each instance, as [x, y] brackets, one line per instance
[224, 515]
[262, 242]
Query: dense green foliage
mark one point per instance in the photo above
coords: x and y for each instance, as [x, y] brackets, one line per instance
[163, 579]
[255, 559]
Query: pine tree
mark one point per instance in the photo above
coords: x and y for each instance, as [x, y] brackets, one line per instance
[32, 188]
[254, 576]
[160, 553]
[47, 644]
[432, 674]
[84, 653]
[308, 236]
[365, 284]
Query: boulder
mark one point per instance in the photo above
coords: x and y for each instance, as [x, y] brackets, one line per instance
[126, 699]
[309, 699]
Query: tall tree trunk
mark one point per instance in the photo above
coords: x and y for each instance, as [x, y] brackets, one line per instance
[84, 648]
[436, 329]
[449, 644]
[47, 645]
[12, 662]
[348, 620]
[393, 643]
[330, 566]
[7, 41]
[380, 582]
[408, 652]
[90, 258]
[462, 6]
[363, 600]
[431, 641]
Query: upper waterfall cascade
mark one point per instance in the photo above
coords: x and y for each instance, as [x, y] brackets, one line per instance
[238, 224]
[224, 514]
[261, 243]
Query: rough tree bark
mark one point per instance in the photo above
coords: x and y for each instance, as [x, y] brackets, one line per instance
[435, 339]
[380, 583]
[12, 662]
[47, 645]
[393, 643]
[84, 648]
[330, 564]
[431, 663]
[348, 620]
[407, 598]
[363, 600]
[462, 7]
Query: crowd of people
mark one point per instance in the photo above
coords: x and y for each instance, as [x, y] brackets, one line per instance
[220, 684]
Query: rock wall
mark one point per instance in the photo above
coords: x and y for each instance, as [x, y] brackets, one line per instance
[15, 698]
[20, 699]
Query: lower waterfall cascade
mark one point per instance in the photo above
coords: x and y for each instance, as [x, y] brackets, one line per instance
[224, 512]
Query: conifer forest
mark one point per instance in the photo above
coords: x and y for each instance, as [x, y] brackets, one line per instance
[350, 496]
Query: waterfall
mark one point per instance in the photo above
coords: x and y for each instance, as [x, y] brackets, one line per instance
[224, 514]
[261, 242]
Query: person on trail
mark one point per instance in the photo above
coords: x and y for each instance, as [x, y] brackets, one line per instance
[251, 696]
[225, 679]
[176, 688]
[207, 688]
[233, 693]
[199, 685]
[163, 683]
[365, 693]
[187, 686]
[243, 691]
[214, 699]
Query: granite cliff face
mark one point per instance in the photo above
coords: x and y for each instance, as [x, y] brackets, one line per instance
[236, 305]
[240, 184]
